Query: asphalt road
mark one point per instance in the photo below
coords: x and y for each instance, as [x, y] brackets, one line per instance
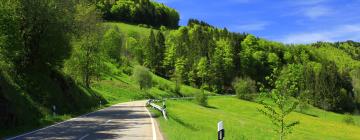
[125, 121]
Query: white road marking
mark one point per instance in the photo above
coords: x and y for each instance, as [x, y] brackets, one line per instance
[154, 137]
[83, 137]
[107, 121]
[31, 132]
[152, 124]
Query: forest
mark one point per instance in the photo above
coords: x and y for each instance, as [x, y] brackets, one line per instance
[210, 58]
[55, 51]
[145, 12]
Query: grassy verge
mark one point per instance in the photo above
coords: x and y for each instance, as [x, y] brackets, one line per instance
[189, 121]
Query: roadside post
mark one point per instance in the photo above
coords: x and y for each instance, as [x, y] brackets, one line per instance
[221, 130]
[164, 105]
[54, 110]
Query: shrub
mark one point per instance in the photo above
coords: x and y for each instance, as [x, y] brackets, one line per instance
[164, 87]
[143, 77]
[348, 119]
[128, 70]
[244, 88]
[201, 98]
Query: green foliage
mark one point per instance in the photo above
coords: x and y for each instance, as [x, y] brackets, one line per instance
[203, 71]
[324, 86]
[201, 99]
[222, 64]
[143, 77]
[210, 58]
[160, 50]
[139, 11]
[35, 40]
[355, 80]
[26, 40]
[112, 43]
[285, 87]
[150, 51]
[178, 75]
[348, 119]
[87, 60]
[187, 120]
[244, 88]
[154, 52]
[164, 86]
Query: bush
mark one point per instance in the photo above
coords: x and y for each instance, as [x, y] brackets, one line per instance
[348, 119]
[201, 99]
[164, 87]
[128, 70]
[143, 77]
[244, 88]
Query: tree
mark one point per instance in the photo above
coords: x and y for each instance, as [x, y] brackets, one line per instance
[139, 11]
[150, 51]
[222, 64]
[355, 77]
[112, 43]
[244, 88]
[179, 74]
[285, 87]
[86, 61]
[143, 77]
[159, 53]
[133, 48]
[203, 71]
[201, 98]
[29, 26]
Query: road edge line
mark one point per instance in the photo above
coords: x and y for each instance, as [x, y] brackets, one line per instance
[37, 130]
[152, 123]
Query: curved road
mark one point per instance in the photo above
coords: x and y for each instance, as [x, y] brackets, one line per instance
[125, 121]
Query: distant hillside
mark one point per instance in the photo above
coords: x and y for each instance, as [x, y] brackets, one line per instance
[139, 12]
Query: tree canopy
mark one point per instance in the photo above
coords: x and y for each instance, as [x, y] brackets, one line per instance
[140, 12]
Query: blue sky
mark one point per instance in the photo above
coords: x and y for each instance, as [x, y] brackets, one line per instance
[288, 21]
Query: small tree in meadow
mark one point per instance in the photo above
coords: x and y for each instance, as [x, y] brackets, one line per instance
[283, 104]
[201, 98]
[143, 77]
[244, 88]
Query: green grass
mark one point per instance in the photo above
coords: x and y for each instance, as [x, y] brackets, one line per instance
[189, 121]
[120, 87]
[128, 29]
[114, 88]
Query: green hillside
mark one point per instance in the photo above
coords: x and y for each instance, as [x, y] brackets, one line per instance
[81, 56]
[129, 29]
[242, 120]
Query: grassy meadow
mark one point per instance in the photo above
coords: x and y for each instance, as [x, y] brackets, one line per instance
[242, 120]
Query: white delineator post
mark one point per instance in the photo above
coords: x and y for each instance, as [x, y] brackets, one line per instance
[54, 110]
[221, 130]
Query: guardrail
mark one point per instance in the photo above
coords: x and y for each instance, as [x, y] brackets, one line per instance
[151, 102]
[157, 107]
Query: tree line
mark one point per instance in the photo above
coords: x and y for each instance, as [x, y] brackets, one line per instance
[139, 12]
[206, 57]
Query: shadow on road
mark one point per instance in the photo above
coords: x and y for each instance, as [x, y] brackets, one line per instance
[104, 124]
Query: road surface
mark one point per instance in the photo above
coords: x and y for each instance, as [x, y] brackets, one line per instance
[125, 121]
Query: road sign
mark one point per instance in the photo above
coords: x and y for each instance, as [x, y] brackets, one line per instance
[221, 130]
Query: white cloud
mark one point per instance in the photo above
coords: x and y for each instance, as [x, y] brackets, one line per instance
[340, 33]
[250, 27]
[307, 2]
[315, 12]
[312, 9]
